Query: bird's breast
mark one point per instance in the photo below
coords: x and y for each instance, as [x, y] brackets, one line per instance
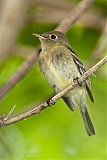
[58, 67]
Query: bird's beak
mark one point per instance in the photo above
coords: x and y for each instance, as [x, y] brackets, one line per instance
[39, 36]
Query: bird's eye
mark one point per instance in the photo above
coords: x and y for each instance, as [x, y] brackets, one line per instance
[53, 36]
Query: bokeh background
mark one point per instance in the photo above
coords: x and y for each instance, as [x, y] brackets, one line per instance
[55, 133]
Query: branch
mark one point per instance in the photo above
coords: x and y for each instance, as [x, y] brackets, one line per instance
[27, 65]
[101, 47]
[74, 15]
[6, 121]
[19, 74]
[102, 44]
[59, 9]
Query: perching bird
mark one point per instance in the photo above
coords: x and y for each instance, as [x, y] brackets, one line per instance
[61, 65]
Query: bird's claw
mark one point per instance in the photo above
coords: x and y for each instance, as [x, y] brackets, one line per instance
[50, 101]
[76, 79]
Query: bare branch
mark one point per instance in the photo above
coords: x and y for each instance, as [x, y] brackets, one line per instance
[74, 15]
[10, 113]
[25, 67]
[94, 18]
[19, 74]
[100, 49]
[102, 44]
[4, 121]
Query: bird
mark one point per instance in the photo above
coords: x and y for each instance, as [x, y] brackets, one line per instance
[61, 66]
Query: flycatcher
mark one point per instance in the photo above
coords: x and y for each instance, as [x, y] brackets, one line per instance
[61, 65]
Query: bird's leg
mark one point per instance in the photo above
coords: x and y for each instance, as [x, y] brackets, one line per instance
[49, 101]
[76, 79]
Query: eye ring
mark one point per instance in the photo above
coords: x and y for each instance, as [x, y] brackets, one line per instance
[53, 36]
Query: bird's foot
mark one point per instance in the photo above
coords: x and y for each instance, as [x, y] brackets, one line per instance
[76, 79]
[50, 101]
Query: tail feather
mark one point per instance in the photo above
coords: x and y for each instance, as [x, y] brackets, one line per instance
[87, 122]
[84, 114]
[69, 103]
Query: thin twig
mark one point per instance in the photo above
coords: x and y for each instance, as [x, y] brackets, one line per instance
[4, 122]
[102, 43]
[27, 65]
[101, 47]
[10, 113]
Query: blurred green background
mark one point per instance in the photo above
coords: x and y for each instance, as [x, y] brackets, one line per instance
[55, 133]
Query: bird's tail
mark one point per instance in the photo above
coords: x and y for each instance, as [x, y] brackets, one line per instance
[87, 121]
[83, 112]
